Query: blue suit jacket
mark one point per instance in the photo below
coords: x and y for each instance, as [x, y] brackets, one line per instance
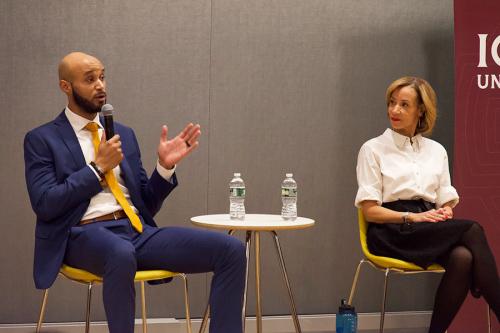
[61, 184]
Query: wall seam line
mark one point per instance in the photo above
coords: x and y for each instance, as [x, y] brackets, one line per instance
[207, 284]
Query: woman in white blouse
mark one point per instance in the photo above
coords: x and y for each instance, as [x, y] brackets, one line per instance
[406, 194]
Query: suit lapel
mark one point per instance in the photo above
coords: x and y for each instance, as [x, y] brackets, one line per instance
[127, 174]
[69, 138]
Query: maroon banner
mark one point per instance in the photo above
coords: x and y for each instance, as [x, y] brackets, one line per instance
[476, 172]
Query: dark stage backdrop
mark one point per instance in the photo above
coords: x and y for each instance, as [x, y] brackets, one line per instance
[477, 132]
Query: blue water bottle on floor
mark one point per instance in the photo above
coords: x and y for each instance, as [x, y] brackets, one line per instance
[346, 319]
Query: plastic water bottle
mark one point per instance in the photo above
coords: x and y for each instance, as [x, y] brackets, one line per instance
[346, 319]
[237, 198]
[289, 198]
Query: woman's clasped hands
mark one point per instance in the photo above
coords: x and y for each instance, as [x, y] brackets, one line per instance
[434, 215]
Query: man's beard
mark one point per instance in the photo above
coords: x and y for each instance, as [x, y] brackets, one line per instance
[85, 104]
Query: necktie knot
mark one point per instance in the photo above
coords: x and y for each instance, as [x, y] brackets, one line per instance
[92, 127]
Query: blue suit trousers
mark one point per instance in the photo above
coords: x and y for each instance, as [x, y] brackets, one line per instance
[115, 251]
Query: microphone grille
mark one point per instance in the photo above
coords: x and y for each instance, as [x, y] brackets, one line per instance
[107, 110]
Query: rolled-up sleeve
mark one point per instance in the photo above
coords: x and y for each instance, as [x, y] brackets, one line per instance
[369, 177]
[446, 192]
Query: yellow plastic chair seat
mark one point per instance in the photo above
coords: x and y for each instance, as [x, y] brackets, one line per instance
[86, 277]
[389, 265]
[82, 276]
[387, 262]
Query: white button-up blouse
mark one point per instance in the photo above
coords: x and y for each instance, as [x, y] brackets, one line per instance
[394, 167]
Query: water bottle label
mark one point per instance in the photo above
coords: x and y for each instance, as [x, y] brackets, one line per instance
[288, 192]
[237, 192]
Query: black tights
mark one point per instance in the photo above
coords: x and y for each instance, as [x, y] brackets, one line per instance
[469, 263]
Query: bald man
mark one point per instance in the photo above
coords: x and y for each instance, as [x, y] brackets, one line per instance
[95, 205]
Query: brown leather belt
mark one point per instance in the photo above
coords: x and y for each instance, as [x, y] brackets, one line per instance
[119, 214]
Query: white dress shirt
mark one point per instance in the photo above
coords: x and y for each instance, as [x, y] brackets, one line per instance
[394, 167]
[104, 202]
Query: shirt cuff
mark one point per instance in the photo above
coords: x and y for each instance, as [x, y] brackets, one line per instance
[165, 173]
[445, 195]
[95, 172]
[367, 193]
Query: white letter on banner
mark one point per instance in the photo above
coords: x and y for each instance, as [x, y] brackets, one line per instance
[479, 82]
[495, 81]
[494, 50]
[482, 50]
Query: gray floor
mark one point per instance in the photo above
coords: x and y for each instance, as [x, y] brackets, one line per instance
[157, 329]
[412, 330]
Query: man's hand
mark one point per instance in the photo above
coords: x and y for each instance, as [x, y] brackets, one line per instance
[170, 152]
[110, 153]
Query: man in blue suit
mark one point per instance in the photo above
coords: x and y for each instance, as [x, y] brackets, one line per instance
[95, 205]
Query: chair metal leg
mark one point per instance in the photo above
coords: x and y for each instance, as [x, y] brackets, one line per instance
[382, 313]
[355, 281]
[87, 315]
[42, 310]
[287, 283]
[186, 303]
[204, 322]
[143, 308]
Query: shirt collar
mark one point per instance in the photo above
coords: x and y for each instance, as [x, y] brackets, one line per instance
[401, 140]
[78, 122]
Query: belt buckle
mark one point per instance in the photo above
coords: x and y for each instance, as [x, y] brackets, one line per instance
[114, 216]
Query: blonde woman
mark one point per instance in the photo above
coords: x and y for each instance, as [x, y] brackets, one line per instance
[406, 194]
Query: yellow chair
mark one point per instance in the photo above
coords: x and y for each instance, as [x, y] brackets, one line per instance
[81, 276]
[384, 264]
[388, 265]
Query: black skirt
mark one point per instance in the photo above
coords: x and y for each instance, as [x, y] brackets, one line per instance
[422, 243]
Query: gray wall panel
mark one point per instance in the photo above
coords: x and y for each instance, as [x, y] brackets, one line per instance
[284, 85]
[157, 58]
[299, 86]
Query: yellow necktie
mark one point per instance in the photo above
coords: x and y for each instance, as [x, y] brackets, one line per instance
[113, 183]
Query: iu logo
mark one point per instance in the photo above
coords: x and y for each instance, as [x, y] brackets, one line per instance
[483, 47]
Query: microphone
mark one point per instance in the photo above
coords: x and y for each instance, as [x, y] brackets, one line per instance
[107, 113]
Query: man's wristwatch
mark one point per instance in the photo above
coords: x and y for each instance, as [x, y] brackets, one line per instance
[406, 220]
[97, 169]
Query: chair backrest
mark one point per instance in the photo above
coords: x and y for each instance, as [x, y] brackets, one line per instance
[363, 227]
[384, 262]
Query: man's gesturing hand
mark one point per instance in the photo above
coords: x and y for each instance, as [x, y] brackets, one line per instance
[170, 152]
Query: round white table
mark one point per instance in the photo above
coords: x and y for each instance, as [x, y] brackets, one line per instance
[254, 224]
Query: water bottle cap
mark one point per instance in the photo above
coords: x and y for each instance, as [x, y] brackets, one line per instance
[237, 174]
[289, 175]
[344, 307]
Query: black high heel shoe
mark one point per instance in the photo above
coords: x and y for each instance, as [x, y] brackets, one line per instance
[475, 292]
